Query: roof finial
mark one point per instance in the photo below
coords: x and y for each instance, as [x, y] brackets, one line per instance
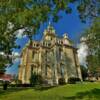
[49, 26]
[49, 23]
[65, 35]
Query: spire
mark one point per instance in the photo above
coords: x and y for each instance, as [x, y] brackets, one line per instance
[49, 23]
[50, 28]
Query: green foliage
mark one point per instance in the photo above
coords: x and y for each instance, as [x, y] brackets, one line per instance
[36, 79]
[81, 8]
[73, 80]
[93, 42]
[68, 10]
[61, 81]
[30, 14]
[88, 9]
[84, 72]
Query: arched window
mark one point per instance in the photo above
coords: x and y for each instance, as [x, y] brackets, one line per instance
[33, 54]
[62, 70]
[37, 45]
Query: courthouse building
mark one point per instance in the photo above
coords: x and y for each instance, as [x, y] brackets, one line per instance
[53, 58]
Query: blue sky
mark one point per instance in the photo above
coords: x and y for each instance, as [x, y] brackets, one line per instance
[69, 23]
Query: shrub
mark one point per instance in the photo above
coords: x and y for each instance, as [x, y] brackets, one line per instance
[20, 85]
[12, 85]
[36, 79]
[73, 80]
[61, 81]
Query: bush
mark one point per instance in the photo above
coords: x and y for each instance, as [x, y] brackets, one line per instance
[73, 80]
[20, 85]
[36, 79]
[61, 81]
[12, 85]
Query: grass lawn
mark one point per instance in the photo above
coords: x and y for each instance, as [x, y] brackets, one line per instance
[84, 91]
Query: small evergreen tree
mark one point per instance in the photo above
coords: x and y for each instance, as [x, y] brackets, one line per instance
[36, 79]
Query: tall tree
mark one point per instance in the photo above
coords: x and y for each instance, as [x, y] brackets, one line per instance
[30, 14]
[93, 42]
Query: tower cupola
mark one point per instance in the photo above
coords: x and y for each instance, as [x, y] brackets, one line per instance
[49, 33]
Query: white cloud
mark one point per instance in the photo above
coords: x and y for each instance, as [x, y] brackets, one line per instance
[82, 53]
[16, 60]
[83, 39]
[15, 57]
[1, 53]
[19, 33]
[15, 54]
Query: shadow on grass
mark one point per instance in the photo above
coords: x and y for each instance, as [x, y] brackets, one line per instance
[93, 94]
[43, 88]
[16, 89]
[11, 89]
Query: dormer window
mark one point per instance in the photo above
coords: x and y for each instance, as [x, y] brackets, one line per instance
[59, 42]
[49, 44]
[37, 45]
[33, 45]
[43, 43]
